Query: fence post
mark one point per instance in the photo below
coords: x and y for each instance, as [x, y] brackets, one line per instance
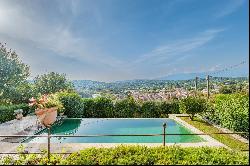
[164, 133]
[208, 87]
[196, 85]
[48, 142]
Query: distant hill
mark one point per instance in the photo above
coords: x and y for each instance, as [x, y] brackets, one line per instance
[188, 76]
[182, 76]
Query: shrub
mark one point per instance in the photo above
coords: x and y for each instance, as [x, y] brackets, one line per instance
[192, 106]
[102, 107]
[150, 109]
[230, 111]
[126, 108]
[137, 155]
[169, 108]
[225, 90]
[72, 104]
[7, 111]
[88, 108]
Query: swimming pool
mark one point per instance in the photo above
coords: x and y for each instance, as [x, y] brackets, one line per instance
[97, 126]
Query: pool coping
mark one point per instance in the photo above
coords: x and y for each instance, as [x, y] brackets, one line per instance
[72, 147]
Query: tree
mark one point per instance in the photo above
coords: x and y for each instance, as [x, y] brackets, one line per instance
[192, 106]
[51, 83]
[13, 74]
[23, 93]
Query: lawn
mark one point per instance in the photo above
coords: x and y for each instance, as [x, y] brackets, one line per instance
[208, 128]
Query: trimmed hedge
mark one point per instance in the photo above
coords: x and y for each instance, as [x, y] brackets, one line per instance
[127, 108]
[137, 155]
[101, 107]
[97, 108]
[172, 107]
[72, 104]
[7, 111]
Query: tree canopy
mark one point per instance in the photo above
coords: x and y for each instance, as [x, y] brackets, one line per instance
[51, 82]
[13, 73]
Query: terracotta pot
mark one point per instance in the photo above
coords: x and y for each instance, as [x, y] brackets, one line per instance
[40, 113]
[50, 117]
[47, 116]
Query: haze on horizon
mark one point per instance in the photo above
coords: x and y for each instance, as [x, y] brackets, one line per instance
[108, 40]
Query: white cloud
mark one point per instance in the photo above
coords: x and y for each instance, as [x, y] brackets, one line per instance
[166, 59]
[30, 31]
[179, 47]
[55, 37]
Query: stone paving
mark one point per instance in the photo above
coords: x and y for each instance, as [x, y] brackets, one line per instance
[26, 126]
[15, 127]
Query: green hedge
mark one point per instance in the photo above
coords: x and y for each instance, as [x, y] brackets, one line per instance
[72, 104]
[97, 108]
[126, 108]
[7, 111]
[171, 107]
[101, 107]
[230, 111]
[137, 155]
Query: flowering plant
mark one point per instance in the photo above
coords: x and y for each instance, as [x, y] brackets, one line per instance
[46, 101]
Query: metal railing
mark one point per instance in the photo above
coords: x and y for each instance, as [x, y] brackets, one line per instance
[164, 134]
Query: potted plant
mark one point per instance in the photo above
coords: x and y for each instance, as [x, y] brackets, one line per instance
[19, 114]
[46, 108]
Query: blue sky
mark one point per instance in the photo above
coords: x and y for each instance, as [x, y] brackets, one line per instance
[109, 40]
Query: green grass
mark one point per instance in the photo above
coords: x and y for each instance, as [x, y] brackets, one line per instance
[208, 128]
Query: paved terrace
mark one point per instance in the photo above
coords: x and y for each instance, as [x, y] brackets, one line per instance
[25, 126]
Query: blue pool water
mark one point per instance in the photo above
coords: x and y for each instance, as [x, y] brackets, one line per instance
[117, 126]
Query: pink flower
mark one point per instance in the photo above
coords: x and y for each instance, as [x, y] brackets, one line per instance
[32, 99]
[31, 104]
